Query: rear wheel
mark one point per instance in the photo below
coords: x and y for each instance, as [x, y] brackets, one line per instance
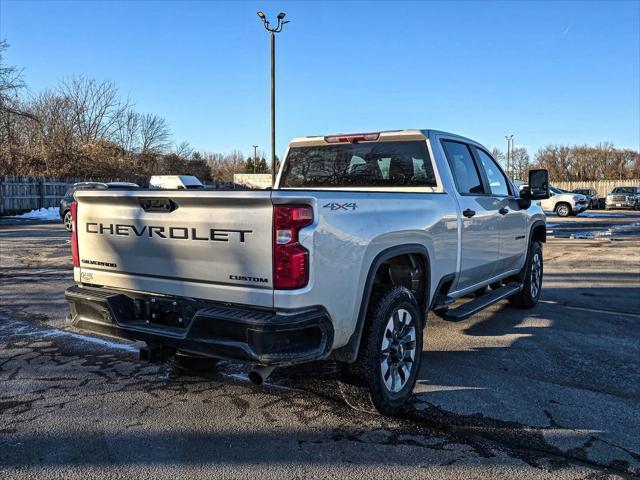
[384, 374]
[68, 221]
[530, 294]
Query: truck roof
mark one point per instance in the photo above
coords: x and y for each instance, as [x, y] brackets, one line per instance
[384, 136]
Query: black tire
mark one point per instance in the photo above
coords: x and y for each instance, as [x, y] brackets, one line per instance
[362, 384]
[192, 364]
[563, 209]
[530, 294]
[68, 221]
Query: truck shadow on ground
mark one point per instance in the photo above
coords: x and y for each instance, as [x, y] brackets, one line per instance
[553, 379]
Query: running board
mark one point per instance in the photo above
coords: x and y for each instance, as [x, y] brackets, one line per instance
[474, 306]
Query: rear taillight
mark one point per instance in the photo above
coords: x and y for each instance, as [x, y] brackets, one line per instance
[74, 235]
[290, 259]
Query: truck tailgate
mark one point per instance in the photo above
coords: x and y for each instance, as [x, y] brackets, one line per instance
[202, 244]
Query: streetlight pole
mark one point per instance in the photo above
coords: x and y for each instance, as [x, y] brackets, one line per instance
[255, 157]
[511, 160]
[272, 34]
[509, 139]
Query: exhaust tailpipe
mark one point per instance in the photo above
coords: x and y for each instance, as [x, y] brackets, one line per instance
[259, 374]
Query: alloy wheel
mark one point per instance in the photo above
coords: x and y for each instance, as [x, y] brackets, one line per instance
[398, 350]
[536, 275]
[68, 221]
[563, 211]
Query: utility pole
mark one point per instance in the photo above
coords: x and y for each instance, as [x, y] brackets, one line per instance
[255, 157]
[272, 34]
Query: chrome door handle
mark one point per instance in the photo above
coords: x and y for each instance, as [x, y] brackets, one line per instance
[469, 213]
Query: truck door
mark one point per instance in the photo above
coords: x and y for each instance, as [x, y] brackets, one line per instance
[480, 243]
[512, 227]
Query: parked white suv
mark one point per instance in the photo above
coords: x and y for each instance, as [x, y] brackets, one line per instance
[564, 203]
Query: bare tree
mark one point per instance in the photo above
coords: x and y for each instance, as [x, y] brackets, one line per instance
[155, 134]
[11, 84]
[13, 116]
[96, 107]
[520, 163]
[184, 150]
[585, 163]
[127, 131]
[53, 139]
[224, 166]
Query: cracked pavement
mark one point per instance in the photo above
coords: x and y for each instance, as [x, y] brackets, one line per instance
[546, 393]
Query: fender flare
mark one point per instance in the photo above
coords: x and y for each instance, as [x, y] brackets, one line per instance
[349, 352]
[538, 223]
[534, 225]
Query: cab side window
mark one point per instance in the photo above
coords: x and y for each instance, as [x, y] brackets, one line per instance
[463, 167]
[497, 181]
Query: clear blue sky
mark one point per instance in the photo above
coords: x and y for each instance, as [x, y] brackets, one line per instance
[548, 72]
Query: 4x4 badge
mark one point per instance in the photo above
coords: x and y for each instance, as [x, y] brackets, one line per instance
[341, 206]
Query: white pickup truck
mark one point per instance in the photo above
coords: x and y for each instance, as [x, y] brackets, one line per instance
[360, 238]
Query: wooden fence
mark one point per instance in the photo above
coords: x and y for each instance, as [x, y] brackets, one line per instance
[602, 186]
[23, 194]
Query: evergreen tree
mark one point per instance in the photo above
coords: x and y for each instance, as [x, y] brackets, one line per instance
[249, 165]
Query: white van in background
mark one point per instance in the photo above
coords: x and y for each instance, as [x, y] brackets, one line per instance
[175, 182]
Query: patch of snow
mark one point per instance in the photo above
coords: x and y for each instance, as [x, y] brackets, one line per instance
[603, 215]
[54, 332]
[590, 235]
[50, 213]
[21, 328]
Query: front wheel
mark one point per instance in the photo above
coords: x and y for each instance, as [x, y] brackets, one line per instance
[563, 210]
[384, 374]
[530, 294]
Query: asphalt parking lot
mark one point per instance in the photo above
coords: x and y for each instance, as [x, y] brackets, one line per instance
[549, 392]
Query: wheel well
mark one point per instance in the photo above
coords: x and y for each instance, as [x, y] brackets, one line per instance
[408, 270]
[539, 234]
[406, 265]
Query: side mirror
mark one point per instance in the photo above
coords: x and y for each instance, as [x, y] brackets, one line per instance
[538, 184]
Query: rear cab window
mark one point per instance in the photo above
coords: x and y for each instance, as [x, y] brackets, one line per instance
[393, 164]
